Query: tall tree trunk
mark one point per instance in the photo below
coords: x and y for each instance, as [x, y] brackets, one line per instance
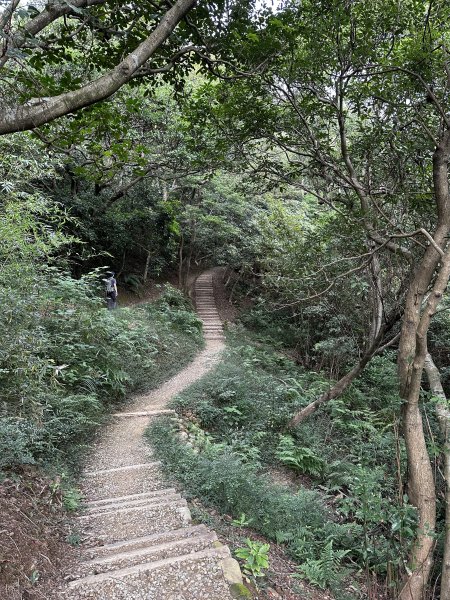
[147, 265]
[376, 296]
[443, 415]
[180, 262]
[411, 358]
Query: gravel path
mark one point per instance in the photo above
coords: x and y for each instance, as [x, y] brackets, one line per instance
[140, 541]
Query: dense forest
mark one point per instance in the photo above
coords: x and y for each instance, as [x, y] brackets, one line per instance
[303, 147]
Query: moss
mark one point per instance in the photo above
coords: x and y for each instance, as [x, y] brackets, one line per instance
[239, 591]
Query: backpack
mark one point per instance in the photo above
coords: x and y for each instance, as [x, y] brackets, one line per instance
[110, 284]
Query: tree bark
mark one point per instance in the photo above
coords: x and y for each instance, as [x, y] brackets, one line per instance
[443, 415]
[180, 262]
[411, 360]
[29, 116]
[147, 265]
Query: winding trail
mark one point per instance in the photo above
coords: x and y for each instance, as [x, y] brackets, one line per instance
[141, 543]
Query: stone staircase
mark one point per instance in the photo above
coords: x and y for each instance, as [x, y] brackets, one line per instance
[206, 307]
[139, 540]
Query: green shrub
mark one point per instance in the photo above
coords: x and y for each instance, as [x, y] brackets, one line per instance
[223, 480]
[69, 360]
[255, 556]
[244, 406]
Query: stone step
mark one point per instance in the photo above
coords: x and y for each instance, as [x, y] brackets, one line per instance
[124, 523]
[145, 554]
[146, 501]
[147, 413]
[122, 481]
[139, 466]
[146, 540]
[156, 494]
[193, 576]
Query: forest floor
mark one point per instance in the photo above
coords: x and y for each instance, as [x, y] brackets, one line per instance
[33, 517]
[35, 536]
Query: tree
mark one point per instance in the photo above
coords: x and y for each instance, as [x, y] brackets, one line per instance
[354, 112]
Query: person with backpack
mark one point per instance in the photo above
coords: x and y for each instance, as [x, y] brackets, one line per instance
[111, 290]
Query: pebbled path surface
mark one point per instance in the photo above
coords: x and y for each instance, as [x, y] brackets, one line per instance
[140, 543]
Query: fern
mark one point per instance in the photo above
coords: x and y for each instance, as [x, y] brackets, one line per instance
[299, 458]
[324, 570]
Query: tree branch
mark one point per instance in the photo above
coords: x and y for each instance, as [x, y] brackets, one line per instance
[31, 115]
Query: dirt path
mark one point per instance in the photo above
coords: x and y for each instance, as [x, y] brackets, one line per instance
[140, 542]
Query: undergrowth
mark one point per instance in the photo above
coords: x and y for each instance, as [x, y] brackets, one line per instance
[81, 361]
[346, 506]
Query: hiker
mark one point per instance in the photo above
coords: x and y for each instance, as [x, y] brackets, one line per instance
[111, 290]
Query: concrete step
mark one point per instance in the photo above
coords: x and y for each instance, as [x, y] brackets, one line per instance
[115, 499]
[144, 541]
[145, 554]
[140, 466]
[130, 522]
[122, 481]
[193, 576]
[132, 503]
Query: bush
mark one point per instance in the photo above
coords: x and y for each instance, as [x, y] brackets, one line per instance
[244, 407]
[69, 360]
[223, 480]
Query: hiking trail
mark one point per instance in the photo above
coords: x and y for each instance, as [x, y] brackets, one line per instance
[140, 541]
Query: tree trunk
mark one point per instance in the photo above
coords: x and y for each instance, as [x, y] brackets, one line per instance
[180, 262]
[147, 265]
[411, 359]
[443, 415]
[377, 296]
